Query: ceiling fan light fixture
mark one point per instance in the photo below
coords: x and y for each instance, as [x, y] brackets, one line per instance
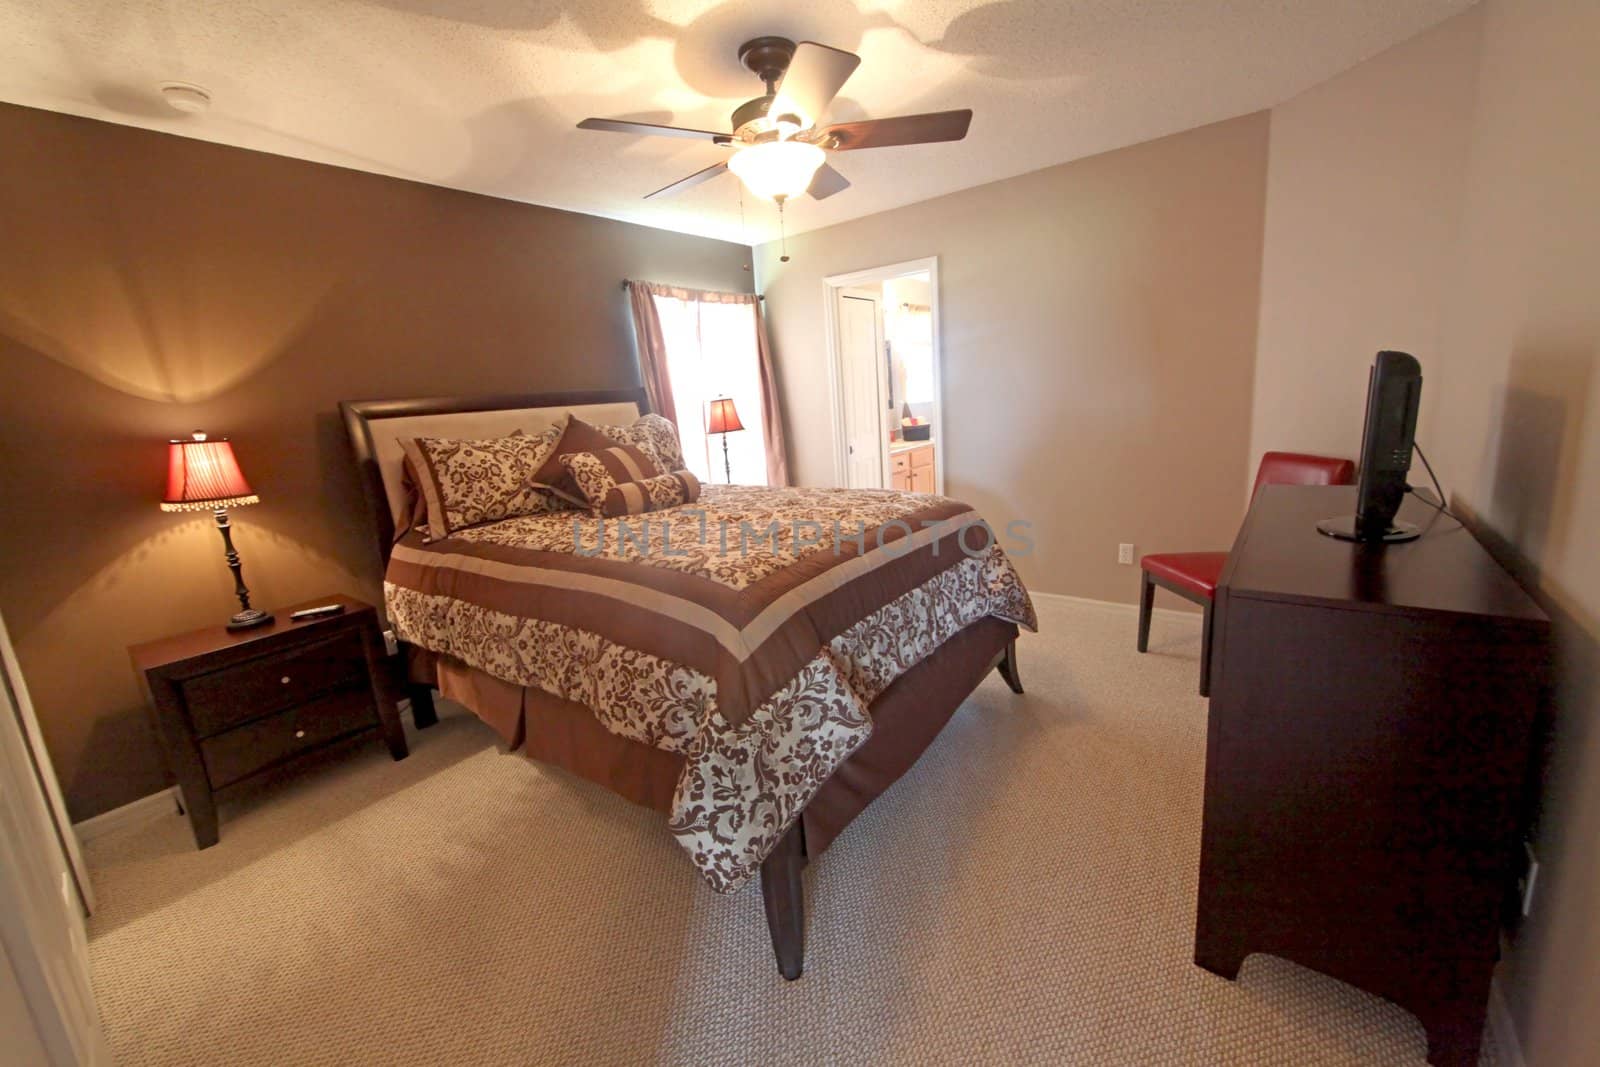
[779, 150]
[777, 169]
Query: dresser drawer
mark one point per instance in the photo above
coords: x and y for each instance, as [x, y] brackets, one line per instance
[246, 749]
[225, 698]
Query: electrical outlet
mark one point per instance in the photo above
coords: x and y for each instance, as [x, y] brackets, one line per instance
[1529, 880]
[1125, 554]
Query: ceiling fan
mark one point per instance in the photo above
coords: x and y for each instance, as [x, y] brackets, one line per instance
[780, 150]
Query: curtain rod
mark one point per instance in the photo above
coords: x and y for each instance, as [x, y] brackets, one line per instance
[758, 296]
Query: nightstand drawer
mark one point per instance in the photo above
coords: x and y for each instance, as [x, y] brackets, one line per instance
[234, 695]
[243, 751]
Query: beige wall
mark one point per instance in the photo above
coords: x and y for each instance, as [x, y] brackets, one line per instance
[1508, 330]
[152, 285]
[1518, 424]
[1099, 325]
[1363, 197]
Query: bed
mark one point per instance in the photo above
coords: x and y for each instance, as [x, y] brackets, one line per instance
[758, 664]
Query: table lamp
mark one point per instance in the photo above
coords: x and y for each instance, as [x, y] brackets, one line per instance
[722, 418]
[203, 474]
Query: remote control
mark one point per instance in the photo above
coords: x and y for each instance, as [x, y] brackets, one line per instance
[315, 613]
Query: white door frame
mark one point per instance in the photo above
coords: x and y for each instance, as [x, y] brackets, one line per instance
[44, 955]
[830, 312]
[44, 771]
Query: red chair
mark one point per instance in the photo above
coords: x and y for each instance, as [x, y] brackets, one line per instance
[1194, 575]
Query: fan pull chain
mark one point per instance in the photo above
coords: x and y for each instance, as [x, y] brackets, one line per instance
[783, 236]
[744, 231]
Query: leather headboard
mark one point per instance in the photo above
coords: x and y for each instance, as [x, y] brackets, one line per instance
[377, 427]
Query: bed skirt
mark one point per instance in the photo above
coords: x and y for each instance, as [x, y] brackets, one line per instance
[906, 717]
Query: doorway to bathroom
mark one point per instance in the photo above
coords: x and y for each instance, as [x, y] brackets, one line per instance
[882, 326]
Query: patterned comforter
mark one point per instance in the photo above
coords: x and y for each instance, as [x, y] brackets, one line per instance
[748, 632]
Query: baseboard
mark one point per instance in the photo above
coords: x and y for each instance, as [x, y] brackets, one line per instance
[135, 813]
[1503, 1028]
[1131, 609]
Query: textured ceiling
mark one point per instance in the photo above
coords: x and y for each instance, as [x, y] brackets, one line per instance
[484, 94]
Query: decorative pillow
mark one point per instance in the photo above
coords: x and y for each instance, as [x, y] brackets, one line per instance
[556, 482]
[610, 484]
[467, 482]
[660, 436]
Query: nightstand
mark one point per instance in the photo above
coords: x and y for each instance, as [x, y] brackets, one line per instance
[231, 707]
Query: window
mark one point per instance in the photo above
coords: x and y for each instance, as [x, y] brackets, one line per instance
[711, 352]
[910, 329]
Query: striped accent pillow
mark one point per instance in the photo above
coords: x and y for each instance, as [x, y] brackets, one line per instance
[645, 439]
[621, 481]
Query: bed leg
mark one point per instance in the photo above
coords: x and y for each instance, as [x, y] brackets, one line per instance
[784, 897]
[423, 713]
[1008, 666]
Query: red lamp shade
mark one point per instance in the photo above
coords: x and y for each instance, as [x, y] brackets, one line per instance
[721, 417]
[203, 475]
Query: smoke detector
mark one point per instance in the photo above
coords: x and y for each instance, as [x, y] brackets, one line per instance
[184, 97]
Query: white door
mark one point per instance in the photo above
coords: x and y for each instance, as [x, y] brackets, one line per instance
[46, 955]
[862, 370]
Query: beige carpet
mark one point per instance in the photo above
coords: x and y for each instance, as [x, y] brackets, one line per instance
[1024, 895]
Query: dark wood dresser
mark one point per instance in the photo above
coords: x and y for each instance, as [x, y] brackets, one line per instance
[1371, 709]
[234, 706]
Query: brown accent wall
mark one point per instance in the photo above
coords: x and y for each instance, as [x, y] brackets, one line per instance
[1099, 336]
[152, 285]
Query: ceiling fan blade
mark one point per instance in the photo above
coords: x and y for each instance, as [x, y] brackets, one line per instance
[815, 75]
[624, 126]
[827, 182]
[885, 133]
[694, 179]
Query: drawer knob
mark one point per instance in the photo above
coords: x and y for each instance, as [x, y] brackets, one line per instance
[299, 733]
[284, 679]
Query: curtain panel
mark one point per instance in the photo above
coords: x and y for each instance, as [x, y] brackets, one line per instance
[652, 351]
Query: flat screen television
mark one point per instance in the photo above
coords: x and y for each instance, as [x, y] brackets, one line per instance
[1394, 390]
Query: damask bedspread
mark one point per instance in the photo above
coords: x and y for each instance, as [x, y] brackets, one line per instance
[748, 632]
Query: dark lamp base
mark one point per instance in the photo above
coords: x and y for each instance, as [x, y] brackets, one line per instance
[249, 619]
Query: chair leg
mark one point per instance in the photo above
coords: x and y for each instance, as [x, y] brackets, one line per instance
[1205, 651]
[1147, 600]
